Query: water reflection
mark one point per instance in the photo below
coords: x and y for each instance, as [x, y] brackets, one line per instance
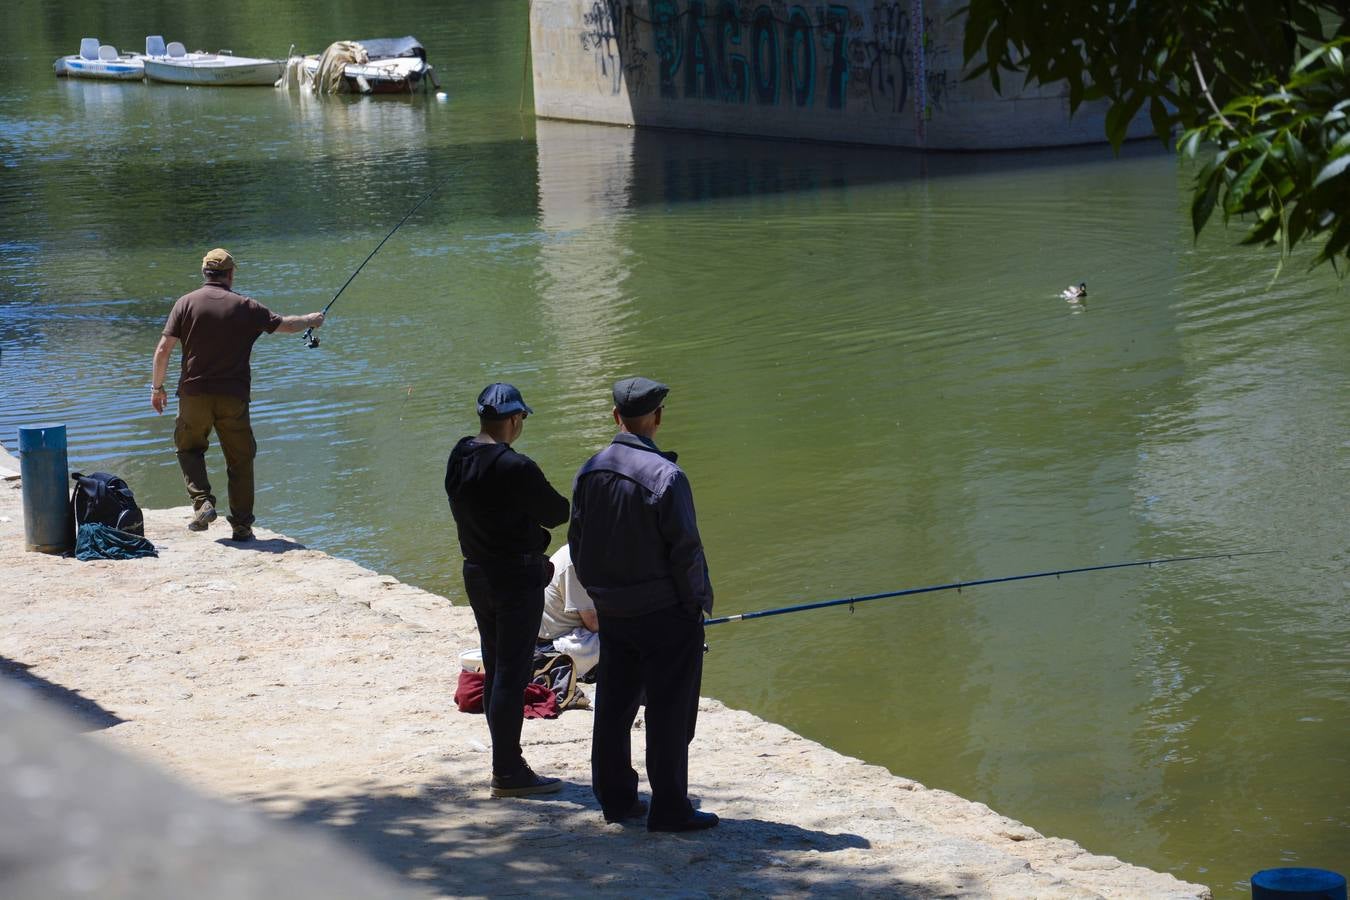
[585, 184]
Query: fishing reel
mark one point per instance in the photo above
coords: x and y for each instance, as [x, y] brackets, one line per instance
[310, 338]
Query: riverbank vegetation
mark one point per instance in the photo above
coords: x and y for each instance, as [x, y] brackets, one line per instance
[1259, 93]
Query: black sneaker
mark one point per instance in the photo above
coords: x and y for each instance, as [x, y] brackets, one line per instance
[523, 783]
[697, 821]
[202, 518]
[636, 811]
[242, 533]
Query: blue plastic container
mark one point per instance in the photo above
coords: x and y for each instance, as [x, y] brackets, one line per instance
[1303, 884]
[46, 497]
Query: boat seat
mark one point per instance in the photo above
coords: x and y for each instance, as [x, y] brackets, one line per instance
[177, 49]
[107, 52]
[89, 48]
[154, 45]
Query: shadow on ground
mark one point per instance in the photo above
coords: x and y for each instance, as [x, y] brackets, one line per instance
[455, 840]
[271, 545]
[88, 714]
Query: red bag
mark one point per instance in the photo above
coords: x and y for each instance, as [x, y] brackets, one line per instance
[540, 702]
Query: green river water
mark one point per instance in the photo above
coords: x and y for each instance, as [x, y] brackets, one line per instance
[874, 386]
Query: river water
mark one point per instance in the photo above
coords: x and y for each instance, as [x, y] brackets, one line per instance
[874, 386]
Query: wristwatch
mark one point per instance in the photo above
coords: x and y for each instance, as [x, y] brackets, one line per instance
[157, 388]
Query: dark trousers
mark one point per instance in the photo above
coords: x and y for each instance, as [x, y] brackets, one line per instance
[197, 415]
[507, 605]
[662, 653]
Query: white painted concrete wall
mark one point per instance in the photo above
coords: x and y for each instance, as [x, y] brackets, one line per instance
[856, 71]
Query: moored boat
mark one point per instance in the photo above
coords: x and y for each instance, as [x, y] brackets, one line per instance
[373, 66]
[177, 66]
[97, 60]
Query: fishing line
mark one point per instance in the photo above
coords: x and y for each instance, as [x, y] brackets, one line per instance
[958, 585]
[308, 337]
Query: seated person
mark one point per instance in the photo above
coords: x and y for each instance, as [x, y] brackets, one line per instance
[569, 624]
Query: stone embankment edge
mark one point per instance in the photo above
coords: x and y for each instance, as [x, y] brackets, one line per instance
[319, 691]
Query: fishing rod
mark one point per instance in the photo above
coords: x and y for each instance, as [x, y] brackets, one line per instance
[308, 337]
[958, 585]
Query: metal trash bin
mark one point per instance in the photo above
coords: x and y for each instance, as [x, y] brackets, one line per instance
[46, 499]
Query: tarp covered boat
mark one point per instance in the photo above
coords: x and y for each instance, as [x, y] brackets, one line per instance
[372, 66]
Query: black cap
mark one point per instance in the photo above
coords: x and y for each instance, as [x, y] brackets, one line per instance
[500, 400]
[636, 397]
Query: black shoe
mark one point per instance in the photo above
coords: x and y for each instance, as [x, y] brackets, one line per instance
[697, 821]
[636, 811]
[242, 533]
[203, 517]
[523, 783]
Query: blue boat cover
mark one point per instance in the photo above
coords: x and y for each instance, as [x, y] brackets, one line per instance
[389, 48]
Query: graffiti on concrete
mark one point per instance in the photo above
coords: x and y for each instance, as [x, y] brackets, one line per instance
[598, 39]
[767, 52]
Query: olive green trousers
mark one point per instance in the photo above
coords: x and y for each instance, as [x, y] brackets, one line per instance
[198, 414]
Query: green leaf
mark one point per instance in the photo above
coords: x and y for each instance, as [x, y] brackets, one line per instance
[1311, 58]
[1297, 154]
[1263, 232]
[1237, 191]
[1119, 117]
[1203, 200]
[1332, 169]
[1161, 119]
[1190, 143]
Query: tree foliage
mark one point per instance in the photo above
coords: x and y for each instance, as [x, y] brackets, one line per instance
[1259, 90]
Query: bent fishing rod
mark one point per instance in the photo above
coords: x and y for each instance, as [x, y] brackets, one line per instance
[958, 585]
[308, 337]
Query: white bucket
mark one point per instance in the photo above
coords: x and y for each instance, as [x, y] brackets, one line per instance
[471, 660]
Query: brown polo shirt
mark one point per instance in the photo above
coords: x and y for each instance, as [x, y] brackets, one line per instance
[217, 328]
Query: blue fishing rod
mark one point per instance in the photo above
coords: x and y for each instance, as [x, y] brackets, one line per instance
[308, 337]
[958, 585]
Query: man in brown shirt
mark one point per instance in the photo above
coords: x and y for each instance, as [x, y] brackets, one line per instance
[217, 328]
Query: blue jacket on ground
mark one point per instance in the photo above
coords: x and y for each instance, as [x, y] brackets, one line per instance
[634, 538]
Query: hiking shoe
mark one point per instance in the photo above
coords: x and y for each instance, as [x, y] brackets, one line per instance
[636, 811]
[242, 533]
[202, 518]
[697, 821]
[523, 783]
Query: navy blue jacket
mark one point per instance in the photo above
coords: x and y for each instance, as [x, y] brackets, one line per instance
[634, 539]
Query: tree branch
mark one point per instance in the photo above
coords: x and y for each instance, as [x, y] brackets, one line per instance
[1204, 88]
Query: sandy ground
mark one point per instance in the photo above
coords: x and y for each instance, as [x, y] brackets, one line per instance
[321, 692]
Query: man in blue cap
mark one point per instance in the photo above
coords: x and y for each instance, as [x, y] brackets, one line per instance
[502, 505]
[637, 551]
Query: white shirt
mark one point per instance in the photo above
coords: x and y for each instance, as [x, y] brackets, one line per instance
[563, 598]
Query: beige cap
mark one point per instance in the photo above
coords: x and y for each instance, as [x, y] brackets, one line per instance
[218, 260]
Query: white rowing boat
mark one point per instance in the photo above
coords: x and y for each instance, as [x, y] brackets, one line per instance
[175, 65]
[101, 61]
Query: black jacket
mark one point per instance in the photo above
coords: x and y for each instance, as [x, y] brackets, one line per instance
[634, 538]
[502, 504]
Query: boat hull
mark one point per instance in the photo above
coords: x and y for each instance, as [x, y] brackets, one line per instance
[101, 69]
[216, 71]
[402, 75]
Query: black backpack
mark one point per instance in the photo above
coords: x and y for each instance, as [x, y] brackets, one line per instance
[107, 500]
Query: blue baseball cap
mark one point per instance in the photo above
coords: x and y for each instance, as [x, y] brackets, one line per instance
[500, 400]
